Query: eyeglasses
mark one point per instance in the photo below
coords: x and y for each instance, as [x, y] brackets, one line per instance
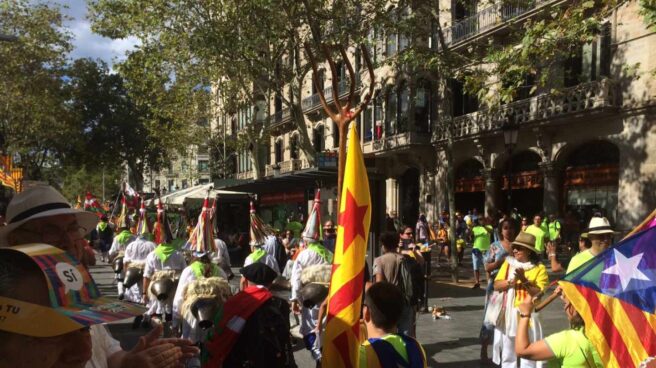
[54, 235]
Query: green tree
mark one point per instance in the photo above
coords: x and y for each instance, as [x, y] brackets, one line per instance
[35, 120]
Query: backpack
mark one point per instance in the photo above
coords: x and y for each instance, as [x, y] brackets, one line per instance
[411, 280]
[265, 339]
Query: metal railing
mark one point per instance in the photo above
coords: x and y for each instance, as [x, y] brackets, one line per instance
[313, 100]
[584, 97]
[488, 18]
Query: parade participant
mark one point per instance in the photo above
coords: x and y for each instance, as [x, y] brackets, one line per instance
[259, 233]
[275, 249]
[163, 266]
[103, 235]
[584, 242]
[494, 258]
[313, 254]
[524, 225]
[553, 229]
[117, 251]
[443, 244]
[222, 256]
[134, 260]
[481, 239]
[568, 348]
[600, 234]
[385, 347]
[201, 267]
[519, 276]
[539, 232]
[244, 344]
[329, 235]
[40, 214]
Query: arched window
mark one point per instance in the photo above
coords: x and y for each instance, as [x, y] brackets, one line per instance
[367, 126]
[404, 106]
[423, 97]
[378, 116]
[318, 139]
[293, 147]
[278, 151]
[390, 112]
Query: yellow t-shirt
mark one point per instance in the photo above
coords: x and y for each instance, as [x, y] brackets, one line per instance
[537, 276]
[579, 259]
[540, 236]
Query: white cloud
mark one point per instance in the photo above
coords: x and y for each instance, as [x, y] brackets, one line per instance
[88, 44]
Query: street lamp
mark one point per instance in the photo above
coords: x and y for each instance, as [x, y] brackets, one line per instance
[510, 131]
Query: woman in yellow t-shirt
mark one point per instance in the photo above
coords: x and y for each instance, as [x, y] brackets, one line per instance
[520, 275]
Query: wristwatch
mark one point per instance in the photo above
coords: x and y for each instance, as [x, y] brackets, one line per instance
[522, 315]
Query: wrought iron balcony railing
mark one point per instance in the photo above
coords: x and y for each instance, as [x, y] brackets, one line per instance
[585, 97]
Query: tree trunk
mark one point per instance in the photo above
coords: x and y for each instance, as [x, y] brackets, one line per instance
[450, 190]
[255, 161]
[136, 176]
[343, 129]
[304, 142]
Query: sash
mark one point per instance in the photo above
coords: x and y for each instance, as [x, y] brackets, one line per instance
[387, 353]
[236, 311]
[322, 252]
[164, 251]
[200, 270]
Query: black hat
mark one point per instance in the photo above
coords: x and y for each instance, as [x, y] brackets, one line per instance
[259, 273]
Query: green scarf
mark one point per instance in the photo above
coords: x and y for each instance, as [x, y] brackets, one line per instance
[257, 255]
[321, 251]
[102, 226]
[164, 251]
[199, 269]
[123, 237]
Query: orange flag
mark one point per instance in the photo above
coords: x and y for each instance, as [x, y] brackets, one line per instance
[342, 337]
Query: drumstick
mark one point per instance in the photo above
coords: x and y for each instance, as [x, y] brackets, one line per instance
[547, 301]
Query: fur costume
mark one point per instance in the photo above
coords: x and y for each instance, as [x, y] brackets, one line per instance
[216, 288]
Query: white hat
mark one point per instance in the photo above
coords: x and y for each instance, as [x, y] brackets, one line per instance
[38, 202]
[312, 231]
[599, 225]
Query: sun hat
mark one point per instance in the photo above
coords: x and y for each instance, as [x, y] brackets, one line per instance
[599, 225]
[75, 301]
[38, 202]
[525, 240]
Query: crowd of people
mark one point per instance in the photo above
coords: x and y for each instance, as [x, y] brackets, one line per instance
[198, 318]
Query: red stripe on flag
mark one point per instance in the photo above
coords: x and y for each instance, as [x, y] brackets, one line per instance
[641, 325]
[606, 326]
[346, 295]
[341, 343]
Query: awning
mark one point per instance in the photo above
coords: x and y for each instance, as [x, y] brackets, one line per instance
[197, 194]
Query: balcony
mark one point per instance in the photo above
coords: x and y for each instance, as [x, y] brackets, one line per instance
[244, 175]
[291, 165]
[313, 102]
[396, 142]
[598, 96]
[280, 118]
[489, 19]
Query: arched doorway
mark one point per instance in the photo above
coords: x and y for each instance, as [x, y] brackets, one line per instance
[409, 196]
[591, 179]
[469, 187]
[527, 194]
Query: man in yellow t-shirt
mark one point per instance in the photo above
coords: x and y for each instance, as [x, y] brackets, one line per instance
[481, 240]
[541, 236]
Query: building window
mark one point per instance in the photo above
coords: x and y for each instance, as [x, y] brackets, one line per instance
[203, 181]
[462, 103]
[367, 126]
[183, 166]
[404, 105]
[203, 165]
[293, 147]
[171, 184]
[318, 136]
[184, 184]
[423, 106]
[157, 184]
[278, 151]
[390, 112]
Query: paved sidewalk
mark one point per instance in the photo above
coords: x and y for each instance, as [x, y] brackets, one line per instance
[448, 343]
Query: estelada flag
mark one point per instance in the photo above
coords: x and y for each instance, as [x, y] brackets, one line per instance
[615, 294]
[342, 337]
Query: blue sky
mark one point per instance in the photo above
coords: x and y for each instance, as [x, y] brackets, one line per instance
[88, 44]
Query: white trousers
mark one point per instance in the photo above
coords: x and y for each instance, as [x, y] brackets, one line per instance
[504, 355]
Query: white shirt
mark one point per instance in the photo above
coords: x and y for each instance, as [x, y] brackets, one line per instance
[118, 247]
[222, 256]
[138, 250]
[175, 261]
[306, 258]
[267, 260]
[103, 345]
[271, 246]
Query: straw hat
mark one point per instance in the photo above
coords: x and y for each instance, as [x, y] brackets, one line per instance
[526, 240]
[599, 225]
[38, 202]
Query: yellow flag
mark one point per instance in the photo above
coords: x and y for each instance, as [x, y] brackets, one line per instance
[342, 338]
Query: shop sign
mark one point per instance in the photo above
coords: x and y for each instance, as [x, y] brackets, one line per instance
[285, 197]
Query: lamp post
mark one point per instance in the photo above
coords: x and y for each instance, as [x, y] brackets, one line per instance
[510, 131]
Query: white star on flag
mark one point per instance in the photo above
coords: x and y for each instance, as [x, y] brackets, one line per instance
[626, 268]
